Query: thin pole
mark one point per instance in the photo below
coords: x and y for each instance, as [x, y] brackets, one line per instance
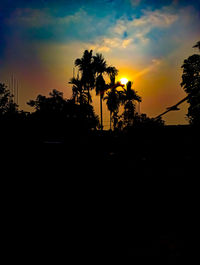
[9, 84]
[101, 111]
[17, 92]
[14, 90]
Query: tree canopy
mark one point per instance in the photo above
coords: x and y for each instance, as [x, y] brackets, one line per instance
[191, 85]
[7, 105]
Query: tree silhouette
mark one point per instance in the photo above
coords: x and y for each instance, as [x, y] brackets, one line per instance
[100, 88]
[79, 95]
[93, 69]
[143, 121]
[197, 45]
[112, 72]
[86, 67]
[101, 68]
[191, 85]
[7, 106]
[113, 101]
[128, 97]
[48, 105]
[55, 112]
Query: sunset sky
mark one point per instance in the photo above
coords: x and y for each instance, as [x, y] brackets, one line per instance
[147, 40]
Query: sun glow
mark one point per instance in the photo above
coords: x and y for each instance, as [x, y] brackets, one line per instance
[124, 81]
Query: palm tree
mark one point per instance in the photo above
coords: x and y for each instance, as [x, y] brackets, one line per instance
[112, 72]
[128, 98]
[100, 88]
[85, 65]
[101, 68]
[92, 70]
[78, 93]
[113, 102]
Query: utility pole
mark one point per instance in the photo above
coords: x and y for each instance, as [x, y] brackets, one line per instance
[101, 111]
[13, 86]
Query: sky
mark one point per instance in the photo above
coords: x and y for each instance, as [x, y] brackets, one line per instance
[146, 40]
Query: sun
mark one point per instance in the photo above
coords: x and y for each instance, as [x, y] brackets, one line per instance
[124, 81]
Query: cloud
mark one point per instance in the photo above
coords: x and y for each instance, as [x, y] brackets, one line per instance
[138, 28]
[126, 33]
[30, 17]
[108, 44]
[156, 18]
[154, 64]
[39, 18]
[135, 2]
[126, 42]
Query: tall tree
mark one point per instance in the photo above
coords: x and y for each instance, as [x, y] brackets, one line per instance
[85, 66]
[191, 85]
[100, 88]
[93, 70]
[101, 68]
[113, 100]
[128, 98]
[79, 95]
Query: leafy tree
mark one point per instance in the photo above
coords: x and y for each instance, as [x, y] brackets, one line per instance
[57, 111]
[191, 85]
[142, 121]
[7, 106]
[54, 104]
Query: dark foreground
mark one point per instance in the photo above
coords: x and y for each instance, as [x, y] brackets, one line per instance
[133, 197]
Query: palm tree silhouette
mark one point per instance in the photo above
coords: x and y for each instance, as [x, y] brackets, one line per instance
[100, 88]
[93, 69]
[128, 97]
[113, 100]
[79, 95]
[101, 68]
[86, 67]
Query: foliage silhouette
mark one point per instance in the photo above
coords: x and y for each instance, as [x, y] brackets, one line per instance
[113, 101]
[79, 95]
[142, 121]
[8, 108]
[85, 65]
[57, 114]
[93, 69]
[191, 85]
[101, 68]
[128, 97]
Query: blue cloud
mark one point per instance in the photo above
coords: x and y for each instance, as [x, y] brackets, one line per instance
[63, 21]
